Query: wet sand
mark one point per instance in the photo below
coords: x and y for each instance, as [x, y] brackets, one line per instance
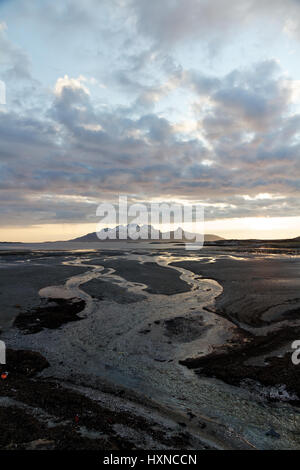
[21, 280]
[133, 350]
[36, 414]
[257, 291]
[105, 290]
[158, 279]
[261, 296]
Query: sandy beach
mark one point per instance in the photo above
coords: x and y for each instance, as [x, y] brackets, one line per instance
[149, 347]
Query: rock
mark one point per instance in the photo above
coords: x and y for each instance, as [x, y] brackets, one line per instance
[24, 362]
[40, 444]
[273, 433]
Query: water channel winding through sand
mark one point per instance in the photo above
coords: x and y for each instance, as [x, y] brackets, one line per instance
[108, 344]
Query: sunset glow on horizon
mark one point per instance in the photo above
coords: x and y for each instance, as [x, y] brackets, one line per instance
[244, 228]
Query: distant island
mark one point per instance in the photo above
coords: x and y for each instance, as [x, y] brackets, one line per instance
[147, 232]
[179, 235]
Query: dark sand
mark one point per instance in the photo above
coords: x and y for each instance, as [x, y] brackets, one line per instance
[78, 421]
[160, 280]
[105, 290]
[20, 284]
[185, 329]
[255, 365]
[52, 314]
[257, 292]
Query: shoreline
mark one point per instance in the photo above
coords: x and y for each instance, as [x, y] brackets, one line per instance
[175, 334]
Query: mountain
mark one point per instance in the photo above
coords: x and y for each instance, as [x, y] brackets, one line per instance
[209, 237]
[147, 232]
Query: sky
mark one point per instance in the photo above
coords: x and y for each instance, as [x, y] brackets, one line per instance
[196, 101]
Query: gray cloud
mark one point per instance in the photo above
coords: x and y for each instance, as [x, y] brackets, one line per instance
[51, 169]
[210, 21]
[62, 153]
[15, 64]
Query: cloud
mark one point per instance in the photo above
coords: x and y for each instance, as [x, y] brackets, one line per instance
[213, 22]
[71, 83]
[169, 129]
[14, 63]
[85, 154]
[245, 104]
[177, 21]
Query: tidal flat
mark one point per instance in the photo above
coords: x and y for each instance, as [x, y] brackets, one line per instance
[149, 347]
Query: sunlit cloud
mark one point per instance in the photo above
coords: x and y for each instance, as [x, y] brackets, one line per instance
[262, 197]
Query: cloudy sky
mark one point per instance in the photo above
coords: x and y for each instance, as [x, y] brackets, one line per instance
[170, 100]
